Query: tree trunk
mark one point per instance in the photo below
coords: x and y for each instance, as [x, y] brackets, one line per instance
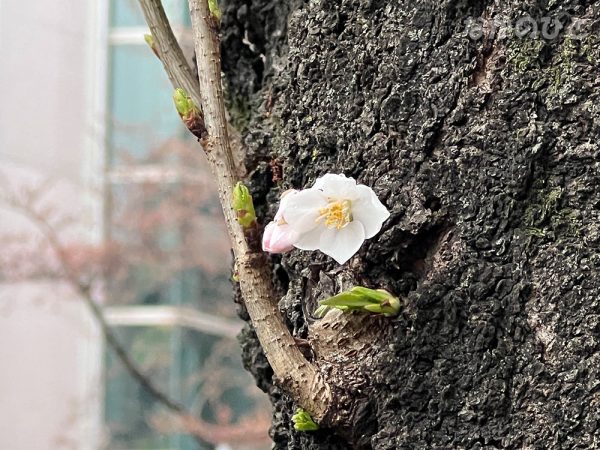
[486, 153]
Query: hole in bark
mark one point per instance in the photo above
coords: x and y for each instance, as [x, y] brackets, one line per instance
[413, 256]
[432, 203]
[419, 253]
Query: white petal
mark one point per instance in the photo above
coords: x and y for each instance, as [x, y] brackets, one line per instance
[336, 186]
[285, 198]
[342, 244]
[369, 211]
[301, 210]
[310, 240]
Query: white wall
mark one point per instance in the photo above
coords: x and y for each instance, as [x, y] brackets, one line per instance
[42, 84]
[49, 350]
[45, 346]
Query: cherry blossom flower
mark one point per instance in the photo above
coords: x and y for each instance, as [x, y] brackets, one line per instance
[335, 216]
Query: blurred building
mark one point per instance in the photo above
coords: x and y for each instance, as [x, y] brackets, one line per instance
[87, 116]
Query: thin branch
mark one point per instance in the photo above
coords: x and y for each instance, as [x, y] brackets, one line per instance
[305, 383]
[178, 70]
[169, 52]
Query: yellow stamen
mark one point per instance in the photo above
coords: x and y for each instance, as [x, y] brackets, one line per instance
[337, 214]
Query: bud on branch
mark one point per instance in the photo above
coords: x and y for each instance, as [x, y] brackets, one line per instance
[190, 114]
[361, 299]
[243, 206]
[303, 421]
[151, 43]
[213, 7]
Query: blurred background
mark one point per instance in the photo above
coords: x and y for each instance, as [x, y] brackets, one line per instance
[117, 326]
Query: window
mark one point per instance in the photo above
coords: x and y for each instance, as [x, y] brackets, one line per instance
[169, 296]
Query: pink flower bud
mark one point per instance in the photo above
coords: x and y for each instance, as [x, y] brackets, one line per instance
[278, 238]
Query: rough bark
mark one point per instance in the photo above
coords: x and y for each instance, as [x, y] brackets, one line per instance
[486, 153]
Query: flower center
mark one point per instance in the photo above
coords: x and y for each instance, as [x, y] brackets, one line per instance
[337, 214]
